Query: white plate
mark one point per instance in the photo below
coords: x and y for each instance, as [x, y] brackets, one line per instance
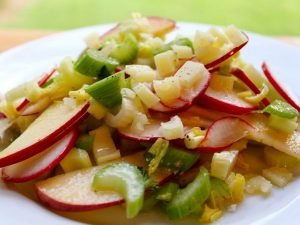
[34, 58]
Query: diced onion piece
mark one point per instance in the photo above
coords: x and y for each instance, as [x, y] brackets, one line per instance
[235, 35]
[104, 148]
[128, 93]
[76, 159]
[222, 163]
[172, 129]
[139, 121]
[140, 73]
[124, 117]
[146, 95]
[165, 63]
[236, 183]
[190, 73]
[258, 185]
[278, 176]
[222, 83]
[182, 52]
[92, 41]
[167, 89]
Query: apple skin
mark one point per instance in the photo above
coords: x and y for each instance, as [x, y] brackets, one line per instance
[41, 163]
[14, 154]
[284, 93]
[239, 73]
[224, 102]
[215, 139]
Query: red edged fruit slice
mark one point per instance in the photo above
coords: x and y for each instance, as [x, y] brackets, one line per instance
[43, 80]
[224, 101]
[23, 104]
[41, 163]
[72, 191]
[246, 80]
[37, 107]
[284, 91]
[223, 133]
[2, 116]
[226, 55]
[54, 123]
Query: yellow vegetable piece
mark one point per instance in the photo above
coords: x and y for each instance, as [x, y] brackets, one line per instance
[76, 159]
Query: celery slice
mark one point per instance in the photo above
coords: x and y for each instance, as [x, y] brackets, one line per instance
[93, 63]
[85, 142]
[179, 41]
[159, 150]
[281, 109]
[189, 198]
[107, 91]
[167, 192]
[125, 179]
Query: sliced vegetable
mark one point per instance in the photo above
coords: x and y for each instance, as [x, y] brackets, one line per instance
[222, 163]
[85, 141]
[282, 124]
[75, 160]
[281, 109]
[107, 91]
[190, 197]
[158, 150]
[93, 63]
[167, 192]
[179, 41]
[278, 176]
[125, 179]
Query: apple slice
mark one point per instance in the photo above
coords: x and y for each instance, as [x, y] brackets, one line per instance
[223, 133]
[37, 107]
[41, 163]
[281, 88]
[55, 122]
[246, 80]
[226, 55]
[72, 191]
[224, 101]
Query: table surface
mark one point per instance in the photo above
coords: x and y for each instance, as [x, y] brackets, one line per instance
[12, 38]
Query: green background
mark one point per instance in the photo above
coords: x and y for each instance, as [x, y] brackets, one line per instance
[272, 17]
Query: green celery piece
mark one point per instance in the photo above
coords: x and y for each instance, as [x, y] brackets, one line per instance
[159, 150]
[281, 109]
[127, 180]
[126, 51]
[188, 199]
[93, 63]
[179, 41]
[282, 124]
[167, 192]
[107, 91]
[220, 187]
[85, 141]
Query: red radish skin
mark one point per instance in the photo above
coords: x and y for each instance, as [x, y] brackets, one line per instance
[223, 133]
[226, 55]
[2, 116]
[46, 77]
[41, 163]
[225, 102]
[23, 104]
[37, 107]
[14, 153]
[283, 91]
[245, 79]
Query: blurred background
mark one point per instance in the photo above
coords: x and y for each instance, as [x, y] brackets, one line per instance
[271, 17]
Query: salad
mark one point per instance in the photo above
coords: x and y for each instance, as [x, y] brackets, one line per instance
[186, 126]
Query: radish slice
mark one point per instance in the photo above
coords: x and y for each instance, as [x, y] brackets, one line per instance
[223, 101]
[55, 122]
[41, 163]
[226, 55]
[2, 116]
[46, 77]
[150, 133]
[245, 79]
[223, 133]
[281, 88]
[22, 105]
[36, 107]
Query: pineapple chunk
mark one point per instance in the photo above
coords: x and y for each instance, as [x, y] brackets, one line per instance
[221, 38]
[210, 215]
[165, 63]
[104, 148]
[222, 163]
[138, 123]
[167, 89]
[76, 159]
[278, 176]
[236, 183]
[235, 35]
[222, 83]
[80, 95]
[190, 73]
[172, 129]
[140, 73]
[193, 138]
[258, 185]
[146, 95]
[203, 39]
[96, 109]
[182, 52]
